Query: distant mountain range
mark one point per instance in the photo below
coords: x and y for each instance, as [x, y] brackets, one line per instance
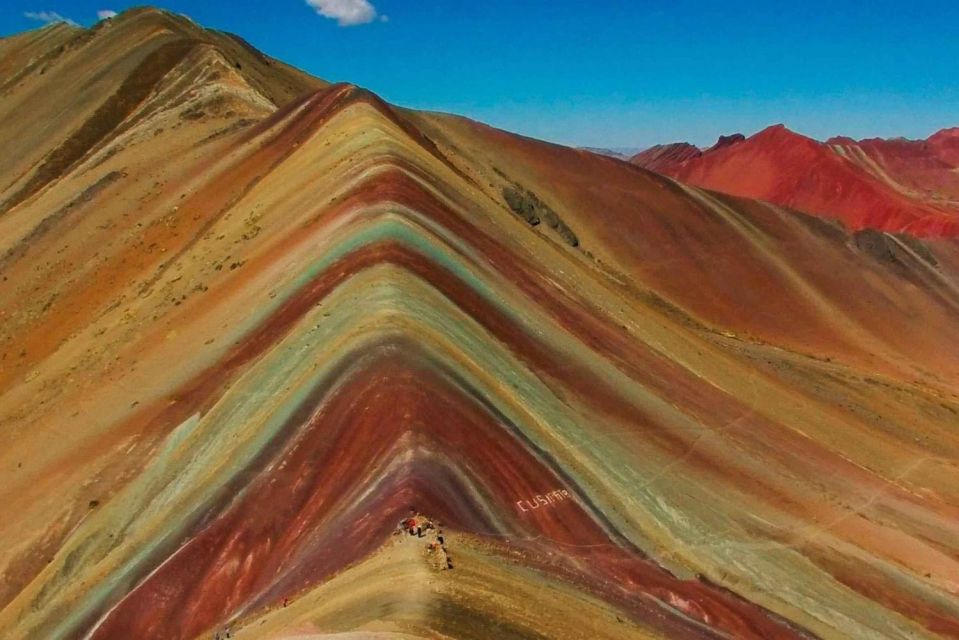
[892, 185]
[623, 153]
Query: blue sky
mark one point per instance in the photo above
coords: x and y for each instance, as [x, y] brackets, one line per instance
[624, 73]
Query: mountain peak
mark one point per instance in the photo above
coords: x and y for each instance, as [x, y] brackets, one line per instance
[725, 141]
[148, 15]
[778, 131]
[944, 134]
[840, 140]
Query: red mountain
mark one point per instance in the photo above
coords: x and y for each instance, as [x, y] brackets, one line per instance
[665, 157]
[892, 185]
[946, 145]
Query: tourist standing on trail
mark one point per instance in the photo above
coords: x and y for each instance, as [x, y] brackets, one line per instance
[411, 521]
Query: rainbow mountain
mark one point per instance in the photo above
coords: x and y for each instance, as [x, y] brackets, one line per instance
[250, 319]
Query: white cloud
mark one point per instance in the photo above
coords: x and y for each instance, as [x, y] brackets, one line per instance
[48, 17]
[347, 13]
[103, 14]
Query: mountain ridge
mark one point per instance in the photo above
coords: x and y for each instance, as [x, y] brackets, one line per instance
[238, 348]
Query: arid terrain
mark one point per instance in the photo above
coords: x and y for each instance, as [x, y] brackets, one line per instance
[250, 319]
[894, 185]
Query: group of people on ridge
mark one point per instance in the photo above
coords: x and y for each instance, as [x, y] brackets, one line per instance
[416, 524]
